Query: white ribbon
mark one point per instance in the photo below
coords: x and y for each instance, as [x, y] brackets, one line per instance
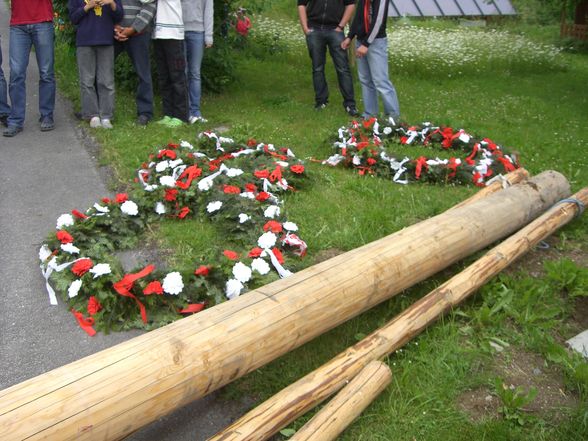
[52, 266]
[294, 241]
[283, 272]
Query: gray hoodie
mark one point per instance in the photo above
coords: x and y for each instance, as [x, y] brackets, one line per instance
[198, 17]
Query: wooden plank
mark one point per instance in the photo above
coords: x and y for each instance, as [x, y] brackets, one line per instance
[114, 392]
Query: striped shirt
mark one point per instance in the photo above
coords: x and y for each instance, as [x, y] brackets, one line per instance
[169, 23]
[138, 14]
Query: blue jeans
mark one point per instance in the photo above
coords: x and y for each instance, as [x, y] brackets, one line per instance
[194, 52]
[4, 107]
[137, 47]
[22, 38]
[318, 41]
[374, 79]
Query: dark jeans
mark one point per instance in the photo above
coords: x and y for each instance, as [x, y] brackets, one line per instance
[317, 42]
[137, 47]
[173, 85]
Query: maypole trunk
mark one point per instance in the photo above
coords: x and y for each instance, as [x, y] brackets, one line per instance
[114, 392]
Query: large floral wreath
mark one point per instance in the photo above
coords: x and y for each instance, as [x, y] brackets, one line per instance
[226, 181]
[238, 185]
[368, 147]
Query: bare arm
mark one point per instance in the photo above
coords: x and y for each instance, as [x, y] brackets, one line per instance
[303, 18]
[349, 10]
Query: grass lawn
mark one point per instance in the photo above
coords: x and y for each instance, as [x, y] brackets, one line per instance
[448, 382]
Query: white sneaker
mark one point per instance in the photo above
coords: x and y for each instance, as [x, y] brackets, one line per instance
[95, 122]
[195, 119]
[106, 124]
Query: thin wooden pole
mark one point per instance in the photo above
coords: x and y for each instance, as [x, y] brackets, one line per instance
[301, 396]
[347, 405]
[112, 393]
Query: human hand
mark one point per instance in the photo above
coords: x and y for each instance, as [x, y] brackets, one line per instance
[345, 43]
[208, 45]
[361, 51]
[90, 5]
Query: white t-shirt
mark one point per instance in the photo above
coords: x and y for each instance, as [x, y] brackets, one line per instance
[169, 24]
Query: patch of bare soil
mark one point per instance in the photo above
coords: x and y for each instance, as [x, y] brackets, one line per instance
[580, 313]
[526, 370]
[323, 255]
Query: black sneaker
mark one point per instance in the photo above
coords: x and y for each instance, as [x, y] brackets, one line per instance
[351, 111]
[4, 120]
[11, 131]
[47, 124]
[143, 120]
[320, 106]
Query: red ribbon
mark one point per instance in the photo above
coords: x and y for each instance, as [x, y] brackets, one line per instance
[452, 165]
[124, 286]
[192, 308]
[470, 159]
[508, 166]
[420, 163]
[85, 323]
[189, 174]
[276, 175]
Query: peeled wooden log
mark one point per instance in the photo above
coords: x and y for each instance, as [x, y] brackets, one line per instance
[301, 396]
[114, 392]
[347, 405]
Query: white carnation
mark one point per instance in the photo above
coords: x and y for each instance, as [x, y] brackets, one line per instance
[233, 288]
[186, 145]
[205, 184]
[44, 253]
[100, 269]
[65, 220]
[272, 211]
[248, 195]
[74, 288]
[175, 163]
[214, 206]
[232, 172]
[290, 226]
[151, 187]
[172, 283]
[242, 272]
[70, 248]
[129, 208]
[161, 166]
[101, 209]
[387, 130]
[160, 208]
[243, 218]
[267, 240]
[261, 266]
[167, 181]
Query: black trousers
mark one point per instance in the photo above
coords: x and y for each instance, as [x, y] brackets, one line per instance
[173, 85]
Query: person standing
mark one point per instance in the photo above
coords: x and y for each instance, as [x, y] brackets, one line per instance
[31, 25]
[198, 25]
[4, 107]
[369, 26]
[323, 22]
[170, 56]
[133, 36]
[94, 21]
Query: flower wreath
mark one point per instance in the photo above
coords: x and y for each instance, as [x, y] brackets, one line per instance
[228, 182]
[365, 146]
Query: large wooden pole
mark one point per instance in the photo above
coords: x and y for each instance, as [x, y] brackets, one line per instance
[347, 405]
[114, 392]
[301, 396]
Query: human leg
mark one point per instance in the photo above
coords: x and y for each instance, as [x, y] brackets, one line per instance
[43, 41]
[176, 59]
[165, 86]
[138, 49]
[194, 54]
[86, 56]
[377, 58]
[341, 62]
[105, 81]
[368, 89]
[19, 50]
[4, 107]
[317, 49]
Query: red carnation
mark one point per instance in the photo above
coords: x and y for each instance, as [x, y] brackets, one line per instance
[371, 161]
[251, 188]
[255, 252]
[81, 267]
[106, 200]
[261, 174]
[93, 305]
[79, 214]
[251, 142]
[170, 194]
[231, 189]
[167, 154]
[278, 255]
[202, 270]
[298, 169]
[153, 288]
[172, 145]
[231, 254]
[64, 237]
[273, 226]
[121, 197]
[262, 196]
[183, 212]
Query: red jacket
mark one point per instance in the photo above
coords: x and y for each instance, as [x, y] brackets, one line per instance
[30, 11]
